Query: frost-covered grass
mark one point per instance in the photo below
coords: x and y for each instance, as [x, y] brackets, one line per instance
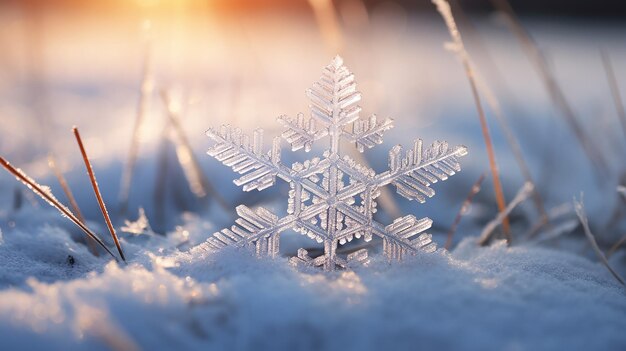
[549, 292]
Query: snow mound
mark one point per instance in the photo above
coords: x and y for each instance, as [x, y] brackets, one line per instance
[473, 298]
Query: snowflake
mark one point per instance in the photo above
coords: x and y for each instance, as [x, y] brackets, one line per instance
[332, 198]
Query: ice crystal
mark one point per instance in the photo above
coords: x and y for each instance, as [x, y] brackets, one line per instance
[138, 227]
[332, 198]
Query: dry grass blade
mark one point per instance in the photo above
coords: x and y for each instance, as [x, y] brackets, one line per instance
[558, 230]
[161, 181]
[142, 107]
[617, 99]
[46, 194]
[522, 195]
[621, 190]
[457, 46]
[554, 214]
[616, 246]
[66, 188]
[553, 88]
[464, 208]
[494, 105]
[96, 190]
[198, 181]
[70, 197]
[580, 212]
[328, 23]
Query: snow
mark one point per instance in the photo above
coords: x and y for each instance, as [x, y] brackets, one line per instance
[546, 293]
[473, 298]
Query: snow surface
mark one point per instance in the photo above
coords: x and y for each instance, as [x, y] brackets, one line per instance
[473, 298]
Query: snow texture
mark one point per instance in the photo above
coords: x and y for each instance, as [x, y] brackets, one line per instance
[497, 297]
[333, 198]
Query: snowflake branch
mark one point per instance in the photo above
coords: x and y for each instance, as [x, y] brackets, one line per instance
[368, 133]
[397, 236]
[417, 170]
[261, 228]
[234, 149]
[301, 133]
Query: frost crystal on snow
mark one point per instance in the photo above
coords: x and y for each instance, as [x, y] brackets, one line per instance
[332, 198]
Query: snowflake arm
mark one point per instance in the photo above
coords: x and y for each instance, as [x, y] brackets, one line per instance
[234, 149]
[368, 133]
[261, 228]
[401, 237]
[359, 257]
[414, 172]
[332, 199]
[301, 133]
[334, 97]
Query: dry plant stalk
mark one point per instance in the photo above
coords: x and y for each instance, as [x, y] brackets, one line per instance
[522, 195]
[616, 246]
[554, 214]
[327, 21]
[459, 49]
[47, 195]
[463, 210]
[618, 208]
[70, 197]
[580, 212]
[142, 107]
[553, 88]
[96, 190]
[494, 105]
[617, 99]
[198, 181]
[161, 180]
[66, 188]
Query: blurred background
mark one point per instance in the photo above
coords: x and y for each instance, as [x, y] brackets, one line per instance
[548, 65]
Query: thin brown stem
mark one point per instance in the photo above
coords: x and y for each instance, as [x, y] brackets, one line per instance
[464, 207]
[198, 181]
[494, 105]
[580, 211]
[520, 197]
[616, 246]
[617, 98]
[328, 23]
[161, 181]
[96, 190]
[554, 90]
[493, 166]
[70, 197]
[444, 9]
[142, 107]
[47, 195]
[66, 188]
